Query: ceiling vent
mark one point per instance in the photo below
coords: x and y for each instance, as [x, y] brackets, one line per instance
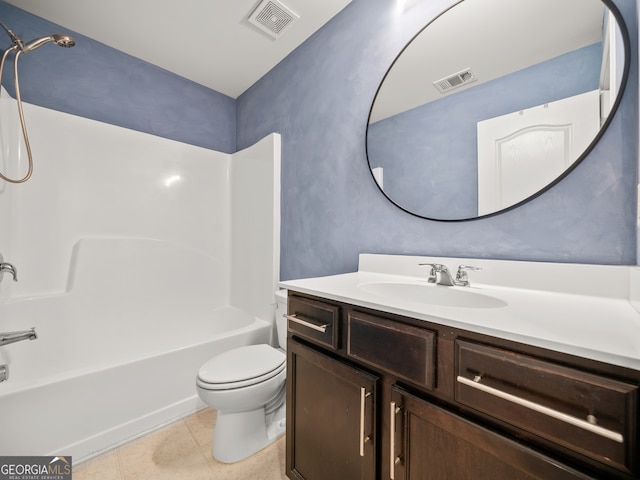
[272, 17]
[456, 80]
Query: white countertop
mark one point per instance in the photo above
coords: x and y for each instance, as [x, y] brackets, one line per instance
[583, 310]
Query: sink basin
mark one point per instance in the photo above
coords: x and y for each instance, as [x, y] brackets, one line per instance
[432, 294]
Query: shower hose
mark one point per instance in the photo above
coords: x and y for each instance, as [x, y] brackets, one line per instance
[20, 112]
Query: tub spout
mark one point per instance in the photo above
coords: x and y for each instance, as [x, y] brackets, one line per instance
[11, 337]
[8, 268]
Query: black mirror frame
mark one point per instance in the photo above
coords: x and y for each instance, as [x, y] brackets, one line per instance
[624, 32]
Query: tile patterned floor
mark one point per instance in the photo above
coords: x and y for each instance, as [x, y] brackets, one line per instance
[181, 450]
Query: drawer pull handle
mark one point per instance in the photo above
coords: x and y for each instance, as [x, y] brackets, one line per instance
[306, 323]
[363, 396]
[585, 425]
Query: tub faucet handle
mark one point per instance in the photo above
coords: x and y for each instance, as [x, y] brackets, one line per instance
[8, 268]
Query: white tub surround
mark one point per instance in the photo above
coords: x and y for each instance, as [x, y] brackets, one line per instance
[585, 310]
[138, 258]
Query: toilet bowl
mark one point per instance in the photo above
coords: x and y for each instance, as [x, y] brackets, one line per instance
[246, 386]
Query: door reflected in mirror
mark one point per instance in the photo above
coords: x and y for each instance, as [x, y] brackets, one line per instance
[493, 102]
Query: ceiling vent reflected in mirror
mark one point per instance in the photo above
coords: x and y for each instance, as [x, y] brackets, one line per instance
[456, 80]
[273, 18]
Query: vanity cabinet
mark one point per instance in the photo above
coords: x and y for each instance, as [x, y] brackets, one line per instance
[372, 395]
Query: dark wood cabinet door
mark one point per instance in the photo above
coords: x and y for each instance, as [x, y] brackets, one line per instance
[331, 426]
[431, 443]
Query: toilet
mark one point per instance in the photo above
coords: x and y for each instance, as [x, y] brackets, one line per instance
[246, 385]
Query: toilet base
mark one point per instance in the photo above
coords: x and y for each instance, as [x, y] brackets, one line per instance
[238, 435]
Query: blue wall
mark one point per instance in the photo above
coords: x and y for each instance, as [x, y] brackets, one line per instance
[430, 153]
[318, 98]
[637, 87]
[95, 81]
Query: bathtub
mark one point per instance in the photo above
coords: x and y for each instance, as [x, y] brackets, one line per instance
[117, 353]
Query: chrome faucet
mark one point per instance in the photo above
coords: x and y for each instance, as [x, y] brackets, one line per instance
[8, 268]
[12, 337]
[440, 274]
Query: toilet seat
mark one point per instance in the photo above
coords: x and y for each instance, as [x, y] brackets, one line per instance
[241, 367]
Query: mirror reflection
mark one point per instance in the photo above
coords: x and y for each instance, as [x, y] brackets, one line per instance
[492, 102]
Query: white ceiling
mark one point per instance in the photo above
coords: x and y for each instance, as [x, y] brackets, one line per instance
[208, 41]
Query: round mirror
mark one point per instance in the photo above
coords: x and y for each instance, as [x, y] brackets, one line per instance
[494, 102]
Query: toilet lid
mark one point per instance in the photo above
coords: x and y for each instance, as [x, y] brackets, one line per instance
[242, 364]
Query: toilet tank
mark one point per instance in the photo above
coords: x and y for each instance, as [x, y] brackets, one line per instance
[281, 320]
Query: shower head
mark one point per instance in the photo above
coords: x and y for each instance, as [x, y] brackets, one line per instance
[59, 39]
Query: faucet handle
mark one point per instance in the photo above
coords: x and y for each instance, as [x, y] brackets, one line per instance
[432, 273]
[462, 278]
[7, 267]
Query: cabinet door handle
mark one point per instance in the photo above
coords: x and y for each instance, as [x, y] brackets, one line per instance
[308, 323]
[393, 460]
[363, 396]
[603, 432]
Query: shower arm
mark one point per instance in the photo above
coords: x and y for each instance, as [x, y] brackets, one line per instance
[15, 39]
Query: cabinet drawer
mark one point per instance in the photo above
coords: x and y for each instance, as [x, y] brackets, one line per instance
[590, 414]
[314, 320]
[404, 351]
